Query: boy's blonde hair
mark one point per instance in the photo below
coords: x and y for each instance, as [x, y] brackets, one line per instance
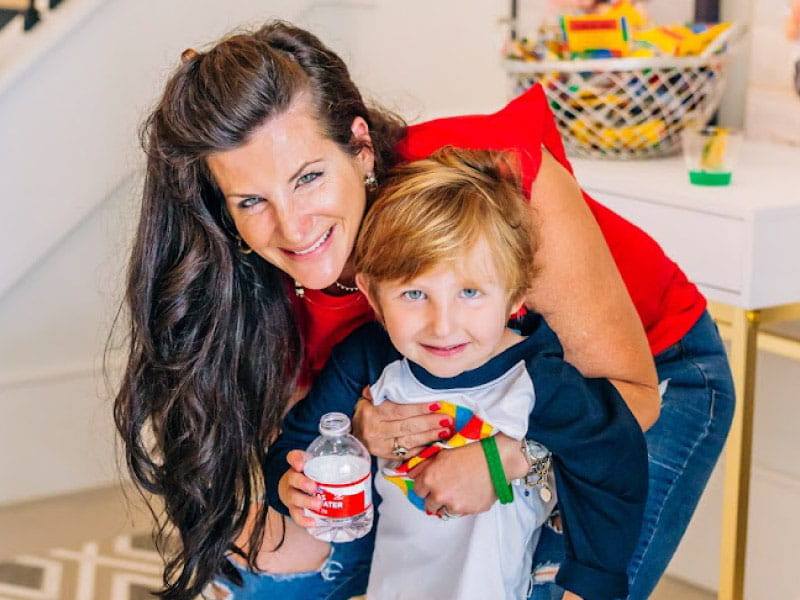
[430, 211]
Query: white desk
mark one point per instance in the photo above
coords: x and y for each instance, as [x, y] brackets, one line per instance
[741, 245]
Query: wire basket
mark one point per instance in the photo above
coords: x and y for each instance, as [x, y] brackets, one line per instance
[624, 108]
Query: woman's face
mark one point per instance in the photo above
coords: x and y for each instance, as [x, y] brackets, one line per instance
[296, 198]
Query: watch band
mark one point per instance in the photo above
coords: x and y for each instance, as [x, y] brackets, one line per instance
[539, 462]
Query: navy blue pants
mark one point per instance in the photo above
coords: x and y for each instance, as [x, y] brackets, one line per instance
[343, 575]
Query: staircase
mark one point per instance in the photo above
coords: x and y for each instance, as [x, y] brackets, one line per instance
[73, 91]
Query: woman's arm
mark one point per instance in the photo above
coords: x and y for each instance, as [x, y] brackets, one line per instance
[581, 295]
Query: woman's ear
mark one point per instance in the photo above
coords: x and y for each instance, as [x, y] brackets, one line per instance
[516, 304]
[366, 155]
[363, 284]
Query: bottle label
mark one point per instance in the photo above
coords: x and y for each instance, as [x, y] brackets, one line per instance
[340, 501]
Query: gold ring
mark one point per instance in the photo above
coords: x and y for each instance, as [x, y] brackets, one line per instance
[445, 514]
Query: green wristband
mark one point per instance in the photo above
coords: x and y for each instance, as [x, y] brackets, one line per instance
[501, 486]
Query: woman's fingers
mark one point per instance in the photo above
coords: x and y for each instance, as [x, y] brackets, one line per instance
[389, 427]
[413, 444]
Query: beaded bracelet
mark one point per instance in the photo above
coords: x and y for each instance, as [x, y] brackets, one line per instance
[501, 486]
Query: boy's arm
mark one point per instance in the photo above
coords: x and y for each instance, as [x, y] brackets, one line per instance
[336, 389]
[600, 462]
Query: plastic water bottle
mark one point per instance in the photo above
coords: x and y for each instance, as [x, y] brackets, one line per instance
[340, 466]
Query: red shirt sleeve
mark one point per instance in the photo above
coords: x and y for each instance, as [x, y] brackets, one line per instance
[520, 128]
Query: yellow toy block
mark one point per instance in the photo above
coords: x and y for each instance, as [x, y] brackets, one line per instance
[635, 136]
[623, 8]
[595, 32]
[677, 40]
[661, 38]
[710, 34]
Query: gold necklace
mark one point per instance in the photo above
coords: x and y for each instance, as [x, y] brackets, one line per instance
[300, 291]
[345, 288]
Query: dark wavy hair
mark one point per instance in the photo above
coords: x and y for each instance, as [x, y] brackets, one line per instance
[213, 348]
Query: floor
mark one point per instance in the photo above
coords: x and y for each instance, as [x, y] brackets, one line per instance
[66, 521]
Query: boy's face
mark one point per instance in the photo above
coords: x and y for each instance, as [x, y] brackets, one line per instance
[451, 318]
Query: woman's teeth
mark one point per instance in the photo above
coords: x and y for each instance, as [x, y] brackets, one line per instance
[316, 244]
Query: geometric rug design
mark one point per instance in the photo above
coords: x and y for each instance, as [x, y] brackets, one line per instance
[124, 568]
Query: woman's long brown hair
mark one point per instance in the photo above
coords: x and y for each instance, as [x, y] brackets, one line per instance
[213, 348]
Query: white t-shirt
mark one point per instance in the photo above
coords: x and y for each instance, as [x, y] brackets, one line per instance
[482, 556]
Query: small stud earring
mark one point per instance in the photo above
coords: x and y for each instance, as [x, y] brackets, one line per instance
[370, 181]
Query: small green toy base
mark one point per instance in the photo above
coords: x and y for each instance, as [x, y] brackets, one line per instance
[709, 178]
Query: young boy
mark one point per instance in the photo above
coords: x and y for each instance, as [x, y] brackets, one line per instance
[445, 257]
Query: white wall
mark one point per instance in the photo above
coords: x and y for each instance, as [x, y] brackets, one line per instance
[415, 56]
[70, 188]
[773, 105]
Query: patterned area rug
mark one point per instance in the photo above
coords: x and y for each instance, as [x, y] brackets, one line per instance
[123, 568]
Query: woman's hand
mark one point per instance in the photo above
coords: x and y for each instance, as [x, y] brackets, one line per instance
[296, 490]
[384, 427]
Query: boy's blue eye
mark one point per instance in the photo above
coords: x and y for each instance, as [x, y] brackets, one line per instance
[308, 177]
[414, 295]
[470, 293]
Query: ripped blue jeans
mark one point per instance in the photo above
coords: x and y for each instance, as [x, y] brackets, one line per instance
[343, 575]
[683, 446]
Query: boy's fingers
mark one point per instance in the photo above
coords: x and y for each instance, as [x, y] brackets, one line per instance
[299, 517]
[301, 483]
[297, 459]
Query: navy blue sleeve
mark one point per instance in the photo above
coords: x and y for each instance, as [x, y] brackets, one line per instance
[600, 465]
[354, 363]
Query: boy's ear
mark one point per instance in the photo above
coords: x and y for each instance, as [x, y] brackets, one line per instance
[363, 284]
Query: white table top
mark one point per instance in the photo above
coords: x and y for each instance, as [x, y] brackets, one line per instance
[767, 178]
[739, 243]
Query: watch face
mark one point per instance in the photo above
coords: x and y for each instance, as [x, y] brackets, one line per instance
[536, 450]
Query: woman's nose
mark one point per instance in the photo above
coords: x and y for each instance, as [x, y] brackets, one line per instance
[294, 225]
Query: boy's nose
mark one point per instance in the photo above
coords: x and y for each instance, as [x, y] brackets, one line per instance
[442, 319]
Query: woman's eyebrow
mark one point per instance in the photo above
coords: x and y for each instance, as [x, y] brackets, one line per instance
[296, 174]
[292, 177]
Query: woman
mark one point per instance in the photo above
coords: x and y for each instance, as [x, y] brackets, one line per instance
[261, 156]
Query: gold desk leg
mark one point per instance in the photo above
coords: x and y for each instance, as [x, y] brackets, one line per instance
[738, 455]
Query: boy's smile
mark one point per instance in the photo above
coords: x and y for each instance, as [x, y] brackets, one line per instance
[451, 318]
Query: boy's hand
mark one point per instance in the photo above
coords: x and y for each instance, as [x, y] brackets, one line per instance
[412, 426]
[296, 490]
[457, 479]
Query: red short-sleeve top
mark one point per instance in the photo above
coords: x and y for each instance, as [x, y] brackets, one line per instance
[667, 302]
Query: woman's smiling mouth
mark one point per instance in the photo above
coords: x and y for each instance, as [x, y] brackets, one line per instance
[315, 246]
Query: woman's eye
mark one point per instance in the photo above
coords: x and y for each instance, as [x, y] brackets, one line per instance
[413, 295]
[470, 293]
[308, 177]
[249, 202]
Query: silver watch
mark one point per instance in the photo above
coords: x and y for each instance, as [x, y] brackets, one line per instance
[539, 462]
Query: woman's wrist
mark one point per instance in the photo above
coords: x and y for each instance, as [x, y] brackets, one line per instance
[514, 463]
